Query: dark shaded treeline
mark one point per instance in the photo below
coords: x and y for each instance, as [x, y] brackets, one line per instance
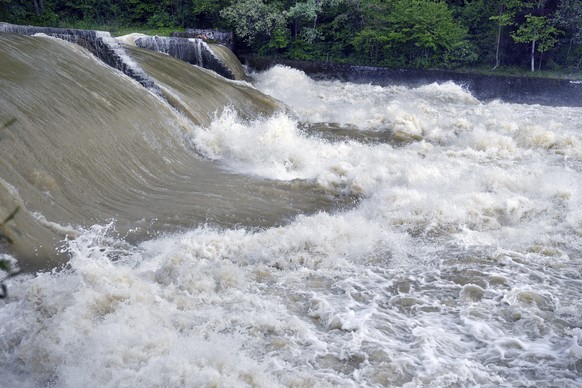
[530, 34]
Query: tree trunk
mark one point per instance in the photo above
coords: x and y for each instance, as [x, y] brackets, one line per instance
[568, 53]
[533, 55]
[499, 29]
[497, 48]
[38, 7]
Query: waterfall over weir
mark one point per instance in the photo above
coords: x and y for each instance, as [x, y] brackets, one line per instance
[87, 145]
[191, 50]
[99, 43]
[109, 50]
[283, 232]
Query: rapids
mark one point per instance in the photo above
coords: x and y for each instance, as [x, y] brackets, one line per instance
[291, 232]
[90, 145]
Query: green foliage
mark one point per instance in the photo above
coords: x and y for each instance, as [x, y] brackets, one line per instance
[280, 39]
[461, 53]
[305, 10]
[569, 17]
[418, 32]
[205, 13]
[253, 20]
[371, 45]
[503, 19]
[537, 29]
[160, 20]
[306, 16]
[409, 33]
[301, 51]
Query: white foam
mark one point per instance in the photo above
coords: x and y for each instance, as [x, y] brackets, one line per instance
[459, 263]
[129, 39]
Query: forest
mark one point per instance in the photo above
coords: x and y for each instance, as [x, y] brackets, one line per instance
[529, 35]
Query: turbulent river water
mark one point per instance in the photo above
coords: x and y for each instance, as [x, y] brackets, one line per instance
[282, 232]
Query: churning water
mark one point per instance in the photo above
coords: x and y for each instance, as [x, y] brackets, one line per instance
[452, 255]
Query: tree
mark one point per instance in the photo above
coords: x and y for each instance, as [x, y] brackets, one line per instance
[305, 15]
[507, 10]
[337, 24]
[418, 32]
[38, 6]
[305, 11]
[482, 31]
[370, 42]
[569, 17]
[253, 20]
[206, 13]
[540, 32]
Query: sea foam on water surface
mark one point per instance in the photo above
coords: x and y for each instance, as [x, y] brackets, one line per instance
[459, 263]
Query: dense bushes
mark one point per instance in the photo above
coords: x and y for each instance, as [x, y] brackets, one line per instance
[413, 33]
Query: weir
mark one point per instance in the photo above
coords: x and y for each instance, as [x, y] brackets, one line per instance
[259, 252]
[191, 50]
[99, 43]
[86, 145]
[109, 50]
[222, 37]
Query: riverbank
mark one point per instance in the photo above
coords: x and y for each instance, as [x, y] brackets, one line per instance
[515, 89]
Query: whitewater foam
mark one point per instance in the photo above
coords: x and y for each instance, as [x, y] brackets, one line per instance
[457, 264]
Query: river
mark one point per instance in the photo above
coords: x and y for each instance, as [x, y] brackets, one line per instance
[283, 231]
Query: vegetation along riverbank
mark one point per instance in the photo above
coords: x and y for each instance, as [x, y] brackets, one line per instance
[497, 35]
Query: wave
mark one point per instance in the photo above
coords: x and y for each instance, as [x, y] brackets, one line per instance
[90, 144]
